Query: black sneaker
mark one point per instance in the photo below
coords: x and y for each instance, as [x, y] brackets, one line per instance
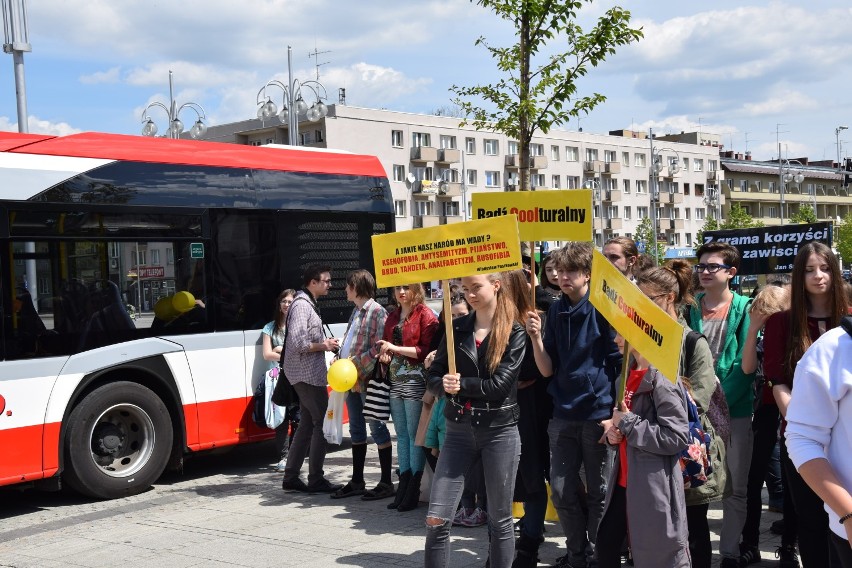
[777, 527]
[749, 555]
[323, 486]
[730, 563]
[294, 484]
[788, 556]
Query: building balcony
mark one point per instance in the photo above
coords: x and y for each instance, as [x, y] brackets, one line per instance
[713, 175]
[538, 162]
[424, 189]
[450, 219]
[676, 224]
[449, 190]
[612, 168]
[448, 156]
[513, 162]
[614, 224]
[673, 198]
[593, 166]
[424, 154]
[612, 195]
[421, 221]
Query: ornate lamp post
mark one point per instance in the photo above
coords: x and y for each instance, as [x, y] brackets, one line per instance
[655, 170]
[597, 197]
[293, 105]
[175, 129]
[787, 174]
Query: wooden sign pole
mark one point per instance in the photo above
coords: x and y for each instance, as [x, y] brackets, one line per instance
[448, 329]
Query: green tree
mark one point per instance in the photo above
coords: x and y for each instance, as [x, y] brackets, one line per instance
[843, 239]
[804, 214]
[645, 234]
[738, 218]
[528, 99]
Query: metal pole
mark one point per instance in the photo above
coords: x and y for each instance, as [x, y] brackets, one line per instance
[172, 109]
[781, 182]
[654, 188]
[20, 91]
[293, 118]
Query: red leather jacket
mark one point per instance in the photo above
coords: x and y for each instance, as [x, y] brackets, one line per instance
[417, 329]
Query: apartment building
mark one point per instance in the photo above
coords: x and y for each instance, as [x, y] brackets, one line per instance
[434, 166]
[762, 188]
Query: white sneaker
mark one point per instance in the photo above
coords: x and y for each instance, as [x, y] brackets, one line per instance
[280, 465]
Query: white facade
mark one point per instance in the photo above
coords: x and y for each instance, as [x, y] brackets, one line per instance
[417, 150]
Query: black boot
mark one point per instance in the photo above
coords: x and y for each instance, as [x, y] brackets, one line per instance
[412, 494]
[526, 549]
[401, 489]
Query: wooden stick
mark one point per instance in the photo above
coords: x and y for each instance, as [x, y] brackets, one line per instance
[625, 370]
[532, 272]
[448, 329]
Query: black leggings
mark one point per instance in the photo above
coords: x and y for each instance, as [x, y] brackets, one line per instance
[699, 535]
[612, 530]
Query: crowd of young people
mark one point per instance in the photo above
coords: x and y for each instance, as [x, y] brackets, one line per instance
[536, 398]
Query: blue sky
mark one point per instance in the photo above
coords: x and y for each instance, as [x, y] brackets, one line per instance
[750, 71]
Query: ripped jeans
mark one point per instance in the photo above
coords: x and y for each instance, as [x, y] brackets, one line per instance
[500, 449]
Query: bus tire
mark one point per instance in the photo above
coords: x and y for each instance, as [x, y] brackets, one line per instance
[118, 442]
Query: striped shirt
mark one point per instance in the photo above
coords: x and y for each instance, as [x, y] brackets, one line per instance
[301, 365]
[366, 324]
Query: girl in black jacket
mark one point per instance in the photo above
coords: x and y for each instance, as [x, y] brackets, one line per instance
[482, 417]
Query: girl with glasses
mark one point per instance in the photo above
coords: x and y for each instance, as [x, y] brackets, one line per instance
[273, 341]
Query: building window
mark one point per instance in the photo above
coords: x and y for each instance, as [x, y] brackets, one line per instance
[572, 154]
[448, 142]
[641, 186]
[470, 146]
[396, 138]
[757, 185]
[685, 164]
[318, 136]
[421, 139]
[422, 173]
[254, 143]
[641, 212]
[424, 208]
[557, 182]
[700, 213]
[536, 149]
[471, 177]
[398, 172]
[492, 179]
[492, 148]
[627, 212]
[711, 165]
[537, 180]
[625, 159]
[512, 148]
[612, 212]
[399, 207]
[451, 209]
[771, 211]
[698, 165]
[591, 154]
[140, 260]
[640, 160]
[609, 156]
[573, 182]
[625, 184]
[554, 153]
[689, 239]
[155, 257]
[688, 213]
[743, 185]
[305, 138]
[170, 256]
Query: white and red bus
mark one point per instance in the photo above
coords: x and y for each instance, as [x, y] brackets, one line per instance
[95, 230]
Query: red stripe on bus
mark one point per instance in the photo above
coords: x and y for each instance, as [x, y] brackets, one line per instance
[200, 153]
[12, 140]
[20, 454]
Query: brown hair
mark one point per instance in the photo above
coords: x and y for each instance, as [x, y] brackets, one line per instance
[505, 315]
[728, 252]
[574, 256]
[673, 277]
[278, 317]
[520, 293]
[418, 293]
[362, 282]
[628, 245]
[800, 338]
[542, 271]
[771, 299]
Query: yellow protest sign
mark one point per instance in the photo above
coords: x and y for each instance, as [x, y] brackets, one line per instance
[447, 251]
[646, 327]
[563, 215]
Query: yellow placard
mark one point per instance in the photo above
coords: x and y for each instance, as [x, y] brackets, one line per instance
[447, 251]
[646, 327]
[564, 215]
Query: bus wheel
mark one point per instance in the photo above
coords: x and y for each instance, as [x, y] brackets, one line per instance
[118, 441]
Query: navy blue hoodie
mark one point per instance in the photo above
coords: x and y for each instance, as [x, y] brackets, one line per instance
[586, 361]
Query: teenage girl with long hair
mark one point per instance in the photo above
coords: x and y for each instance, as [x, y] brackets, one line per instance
[817, 304]
[669, 287]
[481, 417]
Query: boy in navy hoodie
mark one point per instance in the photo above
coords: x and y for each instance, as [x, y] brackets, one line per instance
[579, 352]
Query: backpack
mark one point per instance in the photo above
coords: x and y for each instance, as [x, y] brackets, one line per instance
[695, 463]
[717, 412]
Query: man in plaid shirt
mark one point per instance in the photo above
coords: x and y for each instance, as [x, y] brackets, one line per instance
[305, 368]
[360, 345]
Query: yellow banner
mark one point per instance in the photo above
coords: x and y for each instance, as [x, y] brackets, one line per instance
[447, 251]
[646, 327]
[564, 215]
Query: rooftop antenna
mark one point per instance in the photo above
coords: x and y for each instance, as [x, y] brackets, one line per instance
[315, 54]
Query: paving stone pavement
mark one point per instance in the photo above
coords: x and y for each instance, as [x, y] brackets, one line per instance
[227, 509]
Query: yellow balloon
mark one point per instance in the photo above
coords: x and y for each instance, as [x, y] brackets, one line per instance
[342, 375]
[183, 302]
[163, 309]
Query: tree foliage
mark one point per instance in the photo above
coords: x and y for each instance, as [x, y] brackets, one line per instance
[645, 235]
[738, 218]
[527, 99]
[843, 238]
[804, 214]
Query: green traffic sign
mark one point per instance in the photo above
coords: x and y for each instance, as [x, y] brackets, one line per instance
[196, 250]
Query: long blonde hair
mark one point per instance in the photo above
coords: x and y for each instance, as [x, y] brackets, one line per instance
[505, 315]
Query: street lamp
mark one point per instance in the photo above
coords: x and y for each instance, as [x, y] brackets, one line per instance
[655, 170]
[597, 197]
[712, 199]
[837, 135]
[293, 105]
[175, 129]
[787, 174]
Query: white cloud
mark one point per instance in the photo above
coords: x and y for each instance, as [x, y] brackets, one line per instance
[39, 126]
[786, 102]
[111, 75]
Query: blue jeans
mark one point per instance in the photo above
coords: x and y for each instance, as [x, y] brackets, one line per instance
[357, 424]
[406, 417]
[574, 444]
[500, 450]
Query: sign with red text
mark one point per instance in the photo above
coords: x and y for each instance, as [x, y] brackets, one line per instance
[563, 215]
[447, 251]
[642, 323]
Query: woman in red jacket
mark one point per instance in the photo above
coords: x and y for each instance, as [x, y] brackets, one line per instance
[407, 337]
